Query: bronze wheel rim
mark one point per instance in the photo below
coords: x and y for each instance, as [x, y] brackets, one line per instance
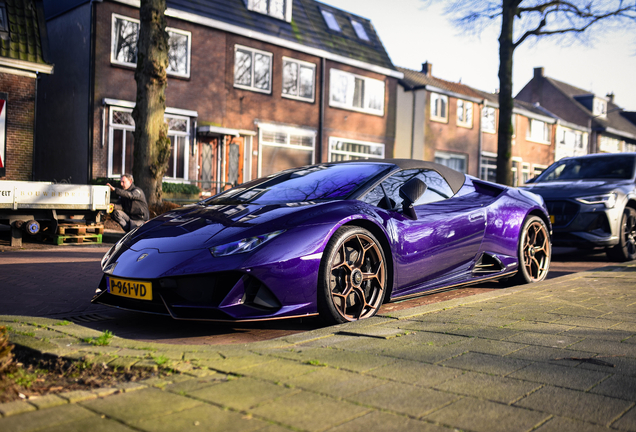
[536, 251]
[357, 277]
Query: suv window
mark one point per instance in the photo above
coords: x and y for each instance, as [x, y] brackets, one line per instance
[608, 167]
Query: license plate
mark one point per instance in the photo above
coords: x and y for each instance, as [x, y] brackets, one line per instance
[551, 219]
[141, 290]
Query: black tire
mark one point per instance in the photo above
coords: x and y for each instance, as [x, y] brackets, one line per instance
[353, 276]
[534, 251]
[625, 250]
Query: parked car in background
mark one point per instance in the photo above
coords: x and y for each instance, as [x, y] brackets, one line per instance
[333, 239]
[592, 202]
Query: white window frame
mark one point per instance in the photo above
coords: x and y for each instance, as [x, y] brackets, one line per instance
[486, 114]
[251, 87]
[313, 84]
[545, 133]
[435, 106]
[467, 112]
[112, 127]
[113, 37]
[333, 142]
[488, 162]
[262, 127]
[449, 156]
[335, 75]
[186, 149]
[287, 8]
[111, 131]
[599, 108]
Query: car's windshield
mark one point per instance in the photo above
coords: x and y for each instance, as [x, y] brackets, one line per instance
[612, 167]
[315, 183]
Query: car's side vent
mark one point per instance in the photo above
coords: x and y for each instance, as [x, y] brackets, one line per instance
[487, 264]
[486, 188]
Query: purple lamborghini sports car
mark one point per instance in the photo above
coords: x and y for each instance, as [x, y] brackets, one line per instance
[333, 239]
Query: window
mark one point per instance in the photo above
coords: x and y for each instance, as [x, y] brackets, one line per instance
[439, 107]
[609, 145]
[341, 149]
[488, 169]
[537, 170]
[488, 123]
[4, 23]
[120, 137]
[454, 161]
[437, 189]
[121, 143]
[538, 131]
[572, 139]
[330, 19]
[360, 31]
[178, 132]
[275, 8]
[252, 69]
[356, 92]
[298, 79]
[600, 107]
[464, 113]
[124, 46]
[283, 148]
[525, 172]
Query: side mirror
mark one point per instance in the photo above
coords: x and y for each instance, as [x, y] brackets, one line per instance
[410, 192]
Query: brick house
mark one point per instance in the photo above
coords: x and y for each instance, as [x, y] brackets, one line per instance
[23, 57]
[456, 125]
[253, 87]
[436, 121]
[609, 131]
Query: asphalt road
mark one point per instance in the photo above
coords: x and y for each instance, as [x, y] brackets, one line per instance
[58, 282]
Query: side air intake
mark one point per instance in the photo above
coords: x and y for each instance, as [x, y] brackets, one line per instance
[487, 264]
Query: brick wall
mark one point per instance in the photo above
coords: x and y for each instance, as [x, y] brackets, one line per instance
[20, 122]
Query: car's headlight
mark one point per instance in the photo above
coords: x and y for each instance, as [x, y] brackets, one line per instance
[244, 245]
[608, 199]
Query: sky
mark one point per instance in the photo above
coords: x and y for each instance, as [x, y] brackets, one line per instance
[414, 31]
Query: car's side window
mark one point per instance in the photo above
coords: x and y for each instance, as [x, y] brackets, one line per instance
[437, 188]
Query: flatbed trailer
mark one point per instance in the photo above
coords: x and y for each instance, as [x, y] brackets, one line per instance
[28, 206]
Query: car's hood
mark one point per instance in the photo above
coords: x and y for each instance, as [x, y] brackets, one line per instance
[198, 227]
[575, 188]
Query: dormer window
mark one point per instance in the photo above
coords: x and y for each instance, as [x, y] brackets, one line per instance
[330, 19]
[600, 107]
[4, 22]
[360, 31]
[280, 9]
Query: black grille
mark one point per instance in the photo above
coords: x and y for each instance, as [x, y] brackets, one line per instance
[564, 212]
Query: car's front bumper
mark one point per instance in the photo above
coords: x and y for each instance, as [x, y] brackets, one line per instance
[583, 225]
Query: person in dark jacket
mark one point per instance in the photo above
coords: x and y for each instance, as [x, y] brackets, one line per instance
[131, 210]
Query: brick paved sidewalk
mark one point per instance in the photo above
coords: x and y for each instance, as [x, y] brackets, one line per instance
[555, 356]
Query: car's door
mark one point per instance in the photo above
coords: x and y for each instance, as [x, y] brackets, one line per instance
[445, 237]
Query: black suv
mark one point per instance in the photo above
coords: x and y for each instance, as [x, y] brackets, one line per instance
[592, 202]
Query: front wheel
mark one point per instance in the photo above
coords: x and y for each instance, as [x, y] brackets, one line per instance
[625, 250]
[353, 276]
[534, 251]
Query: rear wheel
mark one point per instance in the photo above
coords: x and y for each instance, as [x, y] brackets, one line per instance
[625, 250]
[352, 280]
[534, 251]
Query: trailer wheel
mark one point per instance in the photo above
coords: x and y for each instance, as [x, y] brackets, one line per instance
[32, 227]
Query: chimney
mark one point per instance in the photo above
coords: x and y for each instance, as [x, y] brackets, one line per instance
[427, 69]
[610, 96]
[539, 72]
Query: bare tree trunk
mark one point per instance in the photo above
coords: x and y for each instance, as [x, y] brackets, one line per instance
[152, 145]
[504, 129]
